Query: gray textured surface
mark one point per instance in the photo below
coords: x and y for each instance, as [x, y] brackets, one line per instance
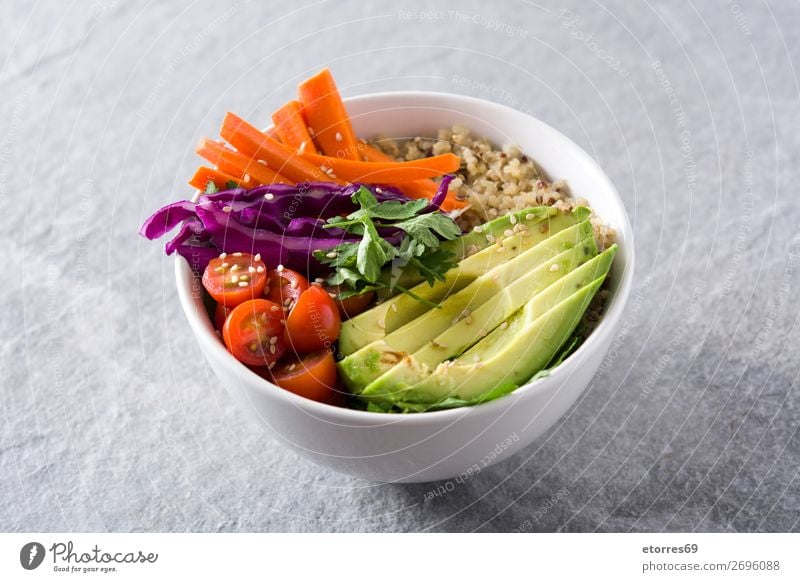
[110, 419]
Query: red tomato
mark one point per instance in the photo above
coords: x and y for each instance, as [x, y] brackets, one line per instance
[312, 376]
[234, 278]
[285, 286]
[314, 322]
[253, 332]
[351, 306]
[220, 315]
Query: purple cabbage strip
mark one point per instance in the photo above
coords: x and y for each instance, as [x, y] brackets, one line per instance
[439, 198]
[167, 218]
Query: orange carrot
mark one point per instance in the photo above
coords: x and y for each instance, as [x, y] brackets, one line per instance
[417, 188]
[291, 127]
[221, 180]
[326, 117]
[386, 172]
[257, 145]
[235, 163]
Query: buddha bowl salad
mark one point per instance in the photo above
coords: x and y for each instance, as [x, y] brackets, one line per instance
[389, 276]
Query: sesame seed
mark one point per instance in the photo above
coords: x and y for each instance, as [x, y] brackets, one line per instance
[224, 265]
[237, 254]
[273, 339]
[244, 277]
[259, 269]
[219, 270]
[339, 136]
[271, 365]
[280, 268]
[243, 283]
[394, 307]
[234, 279]
[262, 162]
[478, 229]
[310, 130]
[269, 196]
[504, 325]
[381, 324]
[319, 280]
[302, 148]
[251, 269]
[292, 366]
[513, 219]
[331, 255]
[332, 295]
[490, 238]
[257, 257]
[272, 349]
[226, 209]
[554, 267]
[508, 232]
[234, 268]
[274, 308]
[530, 216]
[500, 248]
[223, 255]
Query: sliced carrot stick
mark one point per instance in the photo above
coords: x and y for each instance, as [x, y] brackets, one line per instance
[235, 163]
[291, 127]
[280, 158]
[326, 117]
[204, 175]
[387, 172]
[417, 188]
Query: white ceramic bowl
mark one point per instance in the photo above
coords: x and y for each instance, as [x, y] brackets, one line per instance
[436, 445]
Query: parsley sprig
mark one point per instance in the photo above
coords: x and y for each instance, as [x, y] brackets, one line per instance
[358, 265]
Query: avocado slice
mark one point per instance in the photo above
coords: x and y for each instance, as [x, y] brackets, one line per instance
[508, 356]
[397, 311]
[577, 268]
[477, 239]
[367, 364]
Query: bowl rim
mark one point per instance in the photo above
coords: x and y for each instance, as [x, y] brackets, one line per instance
[204, 333]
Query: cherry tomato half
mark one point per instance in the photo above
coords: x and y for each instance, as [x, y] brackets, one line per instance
[253, 332]
[220, 315]
[314, 322]
[234, 278]
[351, 306]
[312, 376]
[284, 287]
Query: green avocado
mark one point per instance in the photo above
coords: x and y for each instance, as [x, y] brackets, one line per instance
[373, 360]
[399, 310]
[577, 268]
[511, 355]
[477, 239]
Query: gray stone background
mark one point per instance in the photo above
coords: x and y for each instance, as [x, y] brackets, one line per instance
[111, 420]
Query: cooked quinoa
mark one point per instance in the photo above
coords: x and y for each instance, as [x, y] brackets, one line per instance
[493, 180]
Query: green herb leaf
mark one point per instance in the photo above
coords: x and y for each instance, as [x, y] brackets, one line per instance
[231, 184]
[211, 187]
[359, 265]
